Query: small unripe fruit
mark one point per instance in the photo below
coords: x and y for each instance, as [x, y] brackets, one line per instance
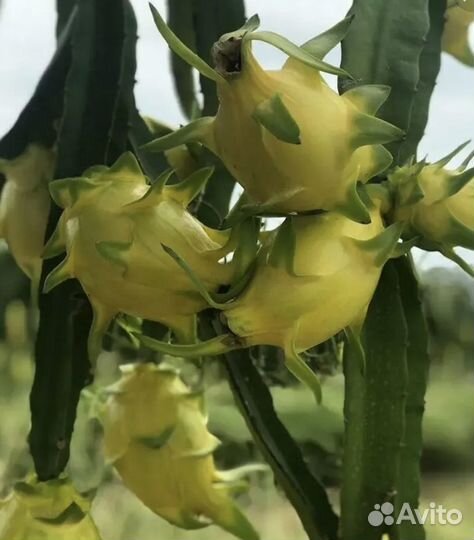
[315, 276]
[51, 510]
[293, 143]
[156, 436]
[299, 298]
[436, 204]
[112, 229]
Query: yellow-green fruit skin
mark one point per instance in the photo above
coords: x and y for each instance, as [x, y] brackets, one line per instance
[329, 288]
[25, 204]
[459, 19]
[51, 510]
[315, 174]
[140, 278]
[156, 436]
[435, 216]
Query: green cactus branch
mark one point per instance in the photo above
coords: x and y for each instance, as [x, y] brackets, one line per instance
[374, 411]
[153, 164]
[305, 492]
[383, 46]
[89, 130]
[397, 44]
[418, 363]
[64, 8]
[213, 18]
[36, 123]
[199, 24]
[430, 63]
[181, 21]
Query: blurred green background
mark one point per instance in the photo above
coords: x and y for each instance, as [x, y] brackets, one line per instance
[448, 466]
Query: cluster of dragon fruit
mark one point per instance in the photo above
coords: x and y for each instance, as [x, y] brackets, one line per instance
[300, 151]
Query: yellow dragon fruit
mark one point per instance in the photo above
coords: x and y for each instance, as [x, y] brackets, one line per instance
[24, 206]
[293, 143]
[112, 228]
[156, 436]
[437, 205]
[315, 276]
[51, 510]
[459, 18]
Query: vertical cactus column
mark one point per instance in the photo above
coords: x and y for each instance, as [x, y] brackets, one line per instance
[418, 363]
[199, 24]
[374, 412]
[93, 130]
[395, 43]
[305, 492]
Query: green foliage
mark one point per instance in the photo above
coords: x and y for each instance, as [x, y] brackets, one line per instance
[418, 364]
[84, 108]
[93, 130]
[398, 45]
[430, 63]
[384, 46]
[374, 408]
[199, 24]
[305, 492]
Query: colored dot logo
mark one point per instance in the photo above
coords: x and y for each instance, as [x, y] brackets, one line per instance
[382, 514]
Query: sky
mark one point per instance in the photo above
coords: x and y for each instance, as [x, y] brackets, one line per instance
[27, 42]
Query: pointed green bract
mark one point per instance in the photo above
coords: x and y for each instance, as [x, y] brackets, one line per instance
[354, 207]
[444, 161]
[370, 130]
[205, 451]
[55, 245]
[467, 161]
[67, 191]
[189, 189]
[453, 256]
[194, 278]
[154, 195]
[126, 165]
[115, 252]
[57, 276]
[295, 52]
[275, 117]
[368, 98]
[460, 234]
[101, 319]
[243, 211]
[321, 45]
[382, 159]
[177, 46]
[239, 526]
[300, 369]
[251, 24]
[197, 131]
[213, 347]
[382, 246]
[458, 182]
